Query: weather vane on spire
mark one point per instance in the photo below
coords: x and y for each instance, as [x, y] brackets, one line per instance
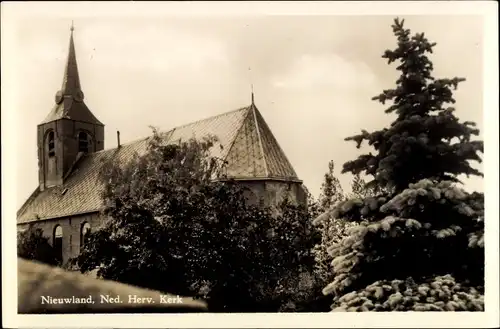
[72, 28]
[251, 84]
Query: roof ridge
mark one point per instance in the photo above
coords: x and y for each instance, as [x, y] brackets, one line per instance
[172, 129]
[210, 118]
[116, 147]
[270, 135]
[237, 131]
[257, 127]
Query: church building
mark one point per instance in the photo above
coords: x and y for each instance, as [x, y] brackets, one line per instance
[67, 202]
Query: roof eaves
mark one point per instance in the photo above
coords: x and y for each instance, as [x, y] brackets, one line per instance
[39, 219]
[279, 179]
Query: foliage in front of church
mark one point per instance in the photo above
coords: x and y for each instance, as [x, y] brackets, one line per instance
[172, 228]
[33, 245]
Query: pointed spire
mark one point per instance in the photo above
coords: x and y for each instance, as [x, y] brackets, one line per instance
[69, 99]
[71, 80]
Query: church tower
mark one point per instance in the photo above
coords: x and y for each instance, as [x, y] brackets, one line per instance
[69, 131]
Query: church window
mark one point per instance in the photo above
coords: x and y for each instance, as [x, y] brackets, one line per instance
[84, 234]
[51, 144]
[83, 142]
[57, 242]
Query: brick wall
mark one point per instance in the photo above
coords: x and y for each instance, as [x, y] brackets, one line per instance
[51, 171]
[273, 192]
[71, 228]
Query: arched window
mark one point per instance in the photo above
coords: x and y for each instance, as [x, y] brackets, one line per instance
[51, 144]
[57, 242]
[84, 234]
[83, 142]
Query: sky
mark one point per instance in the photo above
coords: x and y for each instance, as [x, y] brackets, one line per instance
[313, 77]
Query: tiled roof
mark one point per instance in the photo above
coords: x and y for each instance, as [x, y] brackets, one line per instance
[248, 146]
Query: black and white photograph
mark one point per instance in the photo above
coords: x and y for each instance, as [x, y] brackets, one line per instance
[299, 160]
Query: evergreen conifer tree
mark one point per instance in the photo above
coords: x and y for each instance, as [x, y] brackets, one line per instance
[331, 229]
[419, 244]
[360, 188]
[331, 190]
